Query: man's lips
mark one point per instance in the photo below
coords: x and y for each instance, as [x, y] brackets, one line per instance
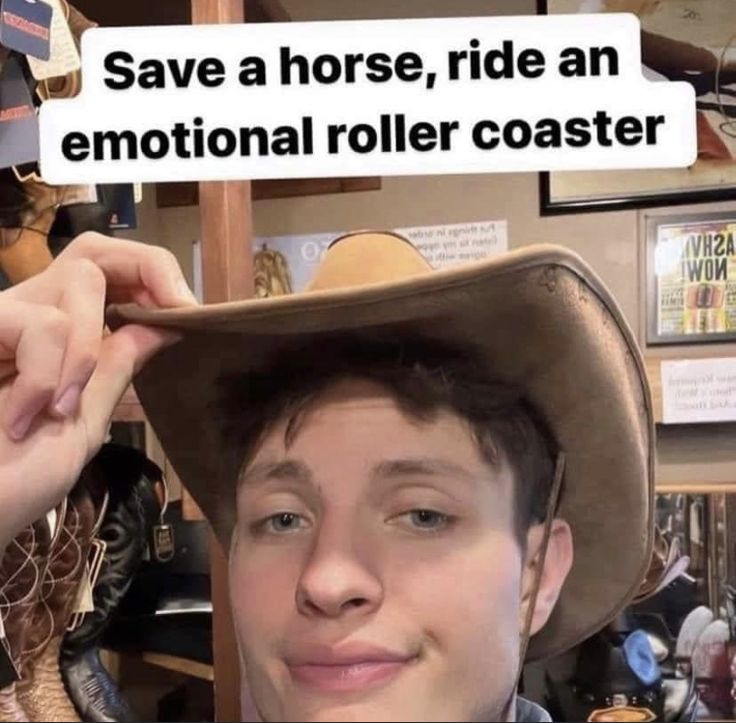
[346, 669]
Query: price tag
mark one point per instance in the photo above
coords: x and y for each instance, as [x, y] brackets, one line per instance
[25, 26]
[64, 56]
[18, 120]
[84, 602]
[163, 542]
[8, 672]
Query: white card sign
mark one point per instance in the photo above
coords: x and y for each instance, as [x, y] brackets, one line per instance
[452, 244]
[699, 390]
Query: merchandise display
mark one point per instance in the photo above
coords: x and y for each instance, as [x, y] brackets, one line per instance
[408, 452]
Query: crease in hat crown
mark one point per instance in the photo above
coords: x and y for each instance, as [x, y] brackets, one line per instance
[368, 257]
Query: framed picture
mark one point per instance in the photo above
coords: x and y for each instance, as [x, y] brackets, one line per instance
[693, 42]
[691, 278]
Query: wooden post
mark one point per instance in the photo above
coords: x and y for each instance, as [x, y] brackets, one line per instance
[227, 275]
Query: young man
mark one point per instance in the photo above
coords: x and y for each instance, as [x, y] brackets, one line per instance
[399, 462]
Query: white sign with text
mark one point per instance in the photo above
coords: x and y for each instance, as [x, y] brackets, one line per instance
[699, 390]
[448, 245]
[369, 97]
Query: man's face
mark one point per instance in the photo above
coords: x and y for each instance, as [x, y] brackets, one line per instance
[375, 573]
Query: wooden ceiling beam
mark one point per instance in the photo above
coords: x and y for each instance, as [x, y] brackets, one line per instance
[170, 12]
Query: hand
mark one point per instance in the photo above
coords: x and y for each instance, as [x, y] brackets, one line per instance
[61, 376]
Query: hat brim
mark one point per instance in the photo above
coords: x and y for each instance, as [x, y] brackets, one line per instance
[544, 322]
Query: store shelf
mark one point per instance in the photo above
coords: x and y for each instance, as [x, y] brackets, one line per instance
[700, 487]
[115, 660]
[185, 666]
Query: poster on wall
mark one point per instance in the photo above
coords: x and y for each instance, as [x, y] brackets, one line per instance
[285, 264]
[691, 278]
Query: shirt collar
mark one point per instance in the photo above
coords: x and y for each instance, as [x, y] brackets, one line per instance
[531, 712]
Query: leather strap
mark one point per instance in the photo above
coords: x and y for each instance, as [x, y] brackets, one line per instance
[537, 581]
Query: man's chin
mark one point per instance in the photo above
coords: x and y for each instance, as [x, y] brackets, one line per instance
[367, 711]
[388, 703]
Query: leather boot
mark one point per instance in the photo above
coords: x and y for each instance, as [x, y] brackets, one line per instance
[40, 691]
[133, 509]
[21, 573]
[24, 251]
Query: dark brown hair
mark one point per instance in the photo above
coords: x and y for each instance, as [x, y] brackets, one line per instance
[424, 376]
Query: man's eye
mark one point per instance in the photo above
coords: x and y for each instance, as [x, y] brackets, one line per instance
[427, 519]
[284, 522]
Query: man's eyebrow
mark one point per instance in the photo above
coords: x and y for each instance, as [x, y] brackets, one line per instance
[427, 466]
[285, 470]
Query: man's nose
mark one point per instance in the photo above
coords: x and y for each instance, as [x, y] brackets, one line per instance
[337, 581]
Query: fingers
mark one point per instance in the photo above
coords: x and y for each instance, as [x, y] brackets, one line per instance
[83, 300]
[38, 335]
[51, 330]
[122, 355]
[134, 270]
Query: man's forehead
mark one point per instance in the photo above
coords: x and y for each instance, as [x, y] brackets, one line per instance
[354, 393]
[358, 424]
[300, 470]
[359, 408]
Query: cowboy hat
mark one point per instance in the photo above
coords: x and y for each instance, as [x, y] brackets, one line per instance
[542, 321]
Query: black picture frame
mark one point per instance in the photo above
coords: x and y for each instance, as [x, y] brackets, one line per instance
[653, 226]
[548, 206]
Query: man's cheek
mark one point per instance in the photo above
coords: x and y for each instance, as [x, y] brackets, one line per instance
[262, 599]
[480, 610]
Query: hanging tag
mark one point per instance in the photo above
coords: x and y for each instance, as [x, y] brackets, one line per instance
[18, 121]
[84, 602]
[52, 519]
[8, 672]
[25, 26]
[96, 558]
[163, 542]
[74, 195]
[138, 193]
[63, 56]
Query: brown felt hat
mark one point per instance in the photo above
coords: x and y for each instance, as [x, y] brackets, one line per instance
[542, 320]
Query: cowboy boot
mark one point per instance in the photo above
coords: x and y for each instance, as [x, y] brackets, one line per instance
[21, 573]
[40, 691]
[132, 510]
[24, 250]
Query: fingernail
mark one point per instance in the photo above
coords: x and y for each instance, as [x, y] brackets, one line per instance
[185, 292]
[67, 403]
[19, 429]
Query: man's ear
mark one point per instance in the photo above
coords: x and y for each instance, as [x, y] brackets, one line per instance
[557, 565]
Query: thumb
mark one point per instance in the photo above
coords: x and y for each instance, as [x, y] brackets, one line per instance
[122, 355]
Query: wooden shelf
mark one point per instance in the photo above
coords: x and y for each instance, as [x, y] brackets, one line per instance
[696, 487]
[187, 194]
[185, 666]
[169, 12]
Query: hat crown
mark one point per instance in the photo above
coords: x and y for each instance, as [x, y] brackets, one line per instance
[368, 257]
